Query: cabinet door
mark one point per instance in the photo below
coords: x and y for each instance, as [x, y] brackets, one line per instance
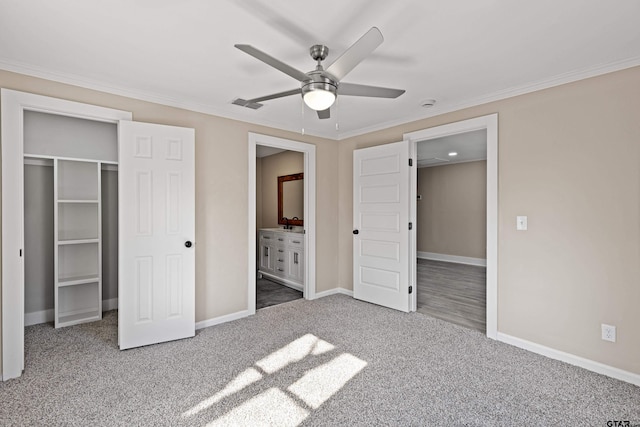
[266, 256]
[295, 265]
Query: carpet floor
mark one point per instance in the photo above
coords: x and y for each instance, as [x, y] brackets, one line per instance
[333, 361]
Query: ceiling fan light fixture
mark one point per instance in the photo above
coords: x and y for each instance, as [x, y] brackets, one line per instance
[319, 95]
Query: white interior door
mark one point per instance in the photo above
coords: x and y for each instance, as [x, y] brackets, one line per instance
[156, 196]
[381, 225]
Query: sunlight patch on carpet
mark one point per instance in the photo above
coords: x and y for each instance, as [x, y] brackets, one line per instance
[270, 408]
[277, 405]
[294, 352]
[319, 384]
[243, 380]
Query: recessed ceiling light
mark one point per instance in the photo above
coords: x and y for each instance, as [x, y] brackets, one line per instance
[453, 154]
[427, 103]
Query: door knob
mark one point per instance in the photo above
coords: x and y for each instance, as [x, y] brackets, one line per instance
[356, 231]
[188, 243]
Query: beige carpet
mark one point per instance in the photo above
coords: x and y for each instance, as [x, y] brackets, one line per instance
[333, 361]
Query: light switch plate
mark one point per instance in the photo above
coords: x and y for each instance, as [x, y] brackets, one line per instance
[521, 223]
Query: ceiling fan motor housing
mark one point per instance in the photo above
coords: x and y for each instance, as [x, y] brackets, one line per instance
[319, 92]
[319, 81]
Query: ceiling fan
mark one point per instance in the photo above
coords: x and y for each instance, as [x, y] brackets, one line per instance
[319, 88]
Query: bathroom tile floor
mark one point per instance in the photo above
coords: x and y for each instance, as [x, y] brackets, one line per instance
[269, 293]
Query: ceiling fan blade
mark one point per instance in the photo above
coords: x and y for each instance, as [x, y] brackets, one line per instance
[351, 89]
[356, 53]
[276, 95]
[275, 63]
[324, 114]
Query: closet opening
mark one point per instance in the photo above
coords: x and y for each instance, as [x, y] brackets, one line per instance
[70, 219]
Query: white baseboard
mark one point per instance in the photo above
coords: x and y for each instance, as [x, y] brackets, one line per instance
[46, 316]
[222, 319]
[587, 364]
[282, 281]
[109, 304]
[37, 317]
[452, 258]
[334, 291]
[244, 313]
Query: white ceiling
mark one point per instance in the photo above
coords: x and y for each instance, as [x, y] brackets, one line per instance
[265, 151]
[181, 53]
[468, 146]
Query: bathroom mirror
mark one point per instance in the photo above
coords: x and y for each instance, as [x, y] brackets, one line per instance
[291, 199]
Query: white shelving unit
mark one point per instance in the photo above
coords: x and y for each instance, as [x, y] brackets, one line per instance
[78, 241]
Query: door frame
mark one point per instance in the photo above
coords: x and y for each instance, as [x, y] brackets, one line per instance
[309, 151]
[13, 104]
[490, 123]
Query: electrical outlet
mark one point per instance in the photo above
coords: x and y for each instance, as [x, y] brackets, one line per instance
[608, 333]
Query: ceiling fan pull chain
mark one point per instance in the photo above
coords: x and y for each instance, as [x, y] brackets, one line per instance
[337, 115]
[302, 112]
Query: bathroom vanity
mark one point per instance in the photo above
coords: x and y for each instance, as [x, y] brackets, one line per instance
[281, 256]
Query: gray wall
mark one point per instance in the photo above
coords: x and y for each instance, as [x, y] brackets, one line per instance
[38, 237]
[452, 215]
[109, 234]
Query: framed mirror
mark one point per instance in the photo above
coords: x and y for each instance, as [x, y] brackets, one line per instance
[291, 199]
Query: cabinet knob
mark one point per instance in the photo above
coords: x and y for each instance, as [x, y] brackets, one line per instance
[356, 231]
[188, 243]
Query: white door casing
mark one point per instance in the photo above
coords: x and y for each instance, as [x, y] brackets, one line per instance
[309, 250]
[490, 123]
[381, 218]
[156, 219]
[14, 103]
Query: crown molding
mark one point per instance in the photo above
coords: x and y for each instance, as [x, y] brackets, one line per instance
[158, 98]
[557, 80]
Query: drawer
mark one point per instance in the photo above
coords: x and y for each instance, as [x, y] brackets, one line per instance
[267, 236]
[296, 241]
[280, 265]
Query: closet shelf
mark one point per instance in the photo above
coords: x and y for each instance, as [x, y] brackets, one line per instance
[78, 280]
[77, 241]
[79, 317]
[78, 201]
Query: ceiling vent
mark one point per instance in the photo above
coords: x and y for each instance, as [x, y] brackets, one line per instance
[244, 103]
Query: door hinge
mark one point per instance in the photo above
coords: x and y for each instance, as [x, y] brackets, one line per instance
[410, 289]
[410, 226]
[410, 162]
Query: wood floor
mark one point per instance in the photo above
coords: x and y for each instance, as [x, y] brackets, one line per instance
[269, 293]
[453, 292]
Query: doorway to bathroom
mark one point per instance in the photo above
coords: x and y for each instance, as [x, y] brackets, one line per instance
[281, 227]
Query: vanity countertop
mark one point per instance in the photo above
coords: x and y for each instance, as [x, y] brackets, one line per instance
[282, 230]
